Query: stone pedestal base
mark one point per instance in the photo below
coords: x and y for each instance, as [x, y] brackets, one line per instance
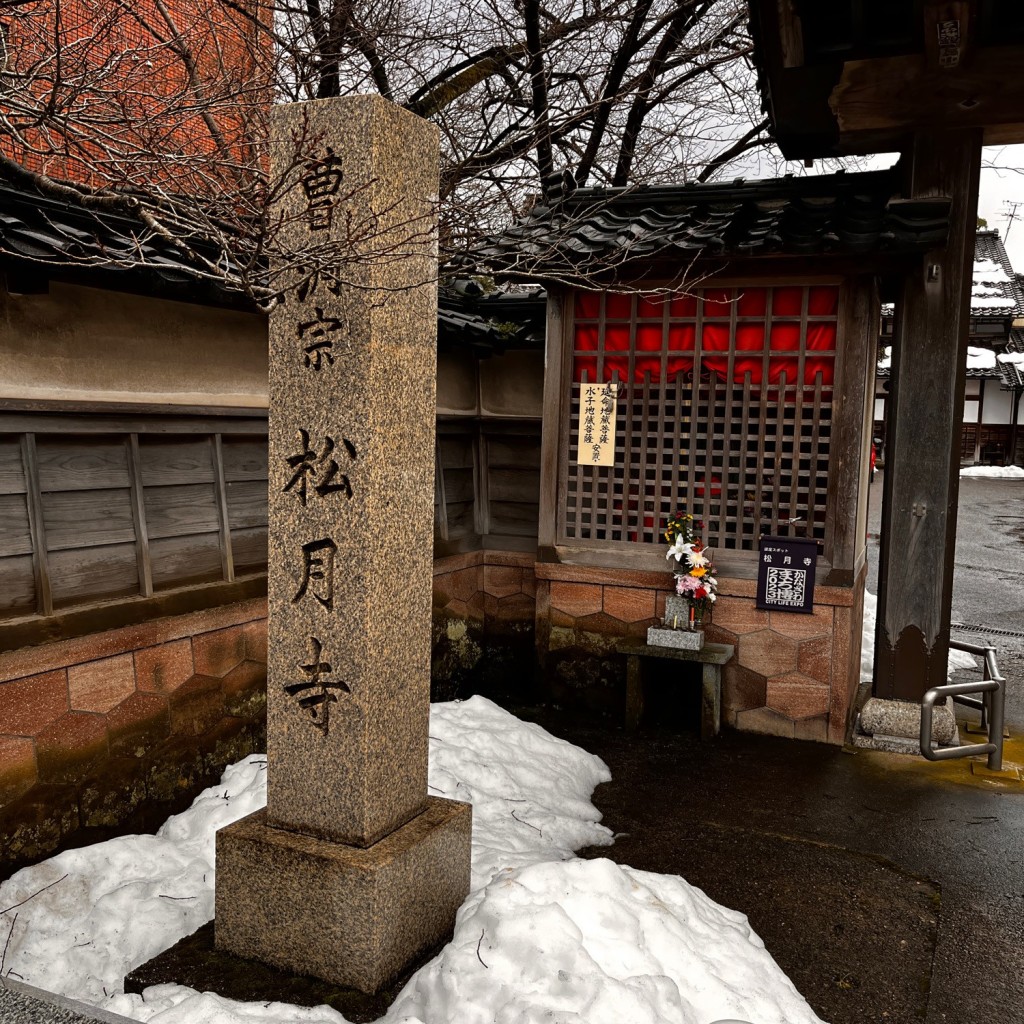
[348, 915]
[684, 639]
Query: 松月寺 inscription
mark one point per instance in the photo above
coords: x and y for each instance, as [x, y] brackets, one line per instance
[314, 692]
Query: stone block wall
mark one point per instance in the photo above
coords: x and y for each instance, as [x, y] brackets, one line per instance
[582, 613]
[483, 626]
[116, 730]
[792, 675]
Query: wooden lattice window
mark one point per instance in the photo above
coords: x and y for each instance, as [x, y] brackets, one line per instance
[724, 408]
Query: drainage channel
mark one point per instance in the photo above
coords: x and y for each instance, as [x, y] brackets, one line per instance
[972, 627]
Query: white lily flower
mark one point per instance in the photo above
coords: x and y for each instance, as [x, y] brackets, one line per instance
[678, 549]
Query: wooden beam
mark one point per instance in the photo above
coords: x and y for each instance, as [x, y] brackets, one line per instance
[791, 35]
[37, 526]
[852, 415]
[139, 515]
[551, 487]
[226, 556]
[904, 94]
[922, 465]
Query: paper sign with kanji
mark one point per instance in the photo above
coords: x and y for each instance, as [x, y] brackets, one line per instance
[596, 441]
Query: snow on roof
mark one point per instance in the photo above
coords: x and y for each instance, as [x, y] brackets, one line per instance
[989, 271]
[980, 358]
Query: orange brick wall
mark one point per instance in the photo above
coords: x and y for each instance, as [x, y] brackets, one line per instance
[96, 731]
[123, 95]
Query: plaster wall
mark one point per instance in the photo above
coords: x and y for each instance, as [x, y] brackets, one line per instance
[998, 407]
[512, 384]
[457, 392]
[79, 344]
[497, 386]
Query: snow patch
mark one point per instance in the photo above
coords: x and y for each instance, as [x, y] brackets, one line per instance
[541, 938]
[989, 272]
[994, 472]
[957, 659]
[590, 942]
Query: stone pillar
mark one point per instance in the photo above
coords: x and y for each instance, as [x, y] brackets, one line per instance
[351, 872]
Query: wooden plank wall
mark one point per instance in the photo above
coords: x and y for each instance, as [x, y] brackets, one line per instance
[88, 516]
[487, 484]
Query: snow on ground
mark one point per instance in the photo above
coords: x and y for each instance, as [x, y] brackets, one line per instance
[994, 472]
[541, 938]
[957, 659]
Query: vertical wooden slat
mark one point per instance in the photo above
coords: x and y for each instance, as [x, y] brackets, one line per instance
[439, 492]
[798, 423]
[677, 442]
[631, 499]
[741, 513]
[711, 526]
[816, 460]
[481, 485]
[762, 423]
[727, 407]
[555, 421]
[852, 419]
[226, 558]
[613, 517]
[777, 481]
[37, 527]
[139, 516]
[698, 343]
[645, 446]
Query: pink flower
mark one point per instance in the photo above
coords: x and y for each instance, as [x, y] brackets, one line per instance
[686, 584]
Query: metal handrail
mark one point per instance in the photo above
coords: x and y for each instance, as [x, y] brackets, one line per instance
[991, 704]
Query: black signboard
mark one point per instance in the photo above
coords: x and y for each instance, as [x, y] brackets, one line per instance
[785, 574]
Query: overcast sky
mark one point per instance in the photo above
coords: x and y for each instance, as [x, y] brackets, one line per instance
[999, 187]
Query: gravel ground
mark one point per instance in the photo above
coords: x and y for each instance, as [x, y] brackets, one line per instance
[988, 580]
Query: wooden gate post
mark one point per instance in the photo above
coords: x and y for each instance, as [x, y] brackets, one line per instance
[922, 461]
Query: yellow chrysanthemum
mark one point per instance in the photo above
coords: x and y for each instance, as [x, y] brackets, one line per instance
[698, 572]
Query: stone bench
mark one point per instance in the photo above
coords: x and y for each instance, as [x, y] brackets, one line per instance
[711, 656]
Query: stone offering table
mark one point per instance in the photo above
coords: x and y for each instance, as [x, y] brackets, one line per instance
[711, 656]
[351, 872]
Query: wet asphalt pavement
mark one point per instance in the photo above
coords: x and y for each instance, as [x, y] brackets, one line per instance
[889, 888]
[988, 578]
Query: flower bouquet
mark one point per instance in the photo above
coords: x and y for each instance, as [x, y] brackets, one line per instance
[694, 571]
